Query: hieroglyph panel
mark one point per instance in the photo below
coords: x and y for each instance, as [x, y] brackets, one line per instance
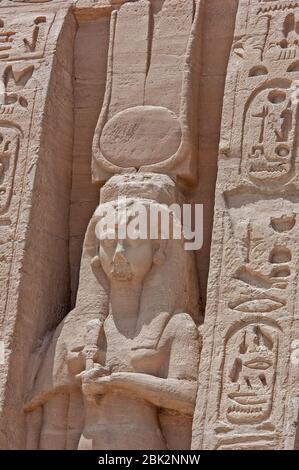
[252, 317]
[23, 43]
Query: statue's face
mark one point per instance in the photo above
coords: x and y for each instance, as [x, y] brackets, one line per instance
[126, 260]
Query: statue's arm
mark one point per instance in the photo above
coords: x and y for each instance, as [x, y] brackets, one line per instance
[178, 395]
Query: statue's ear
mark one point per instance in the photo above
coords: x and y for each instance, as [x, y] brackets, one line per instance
[95, 263]
[160, 254]
[98, 272]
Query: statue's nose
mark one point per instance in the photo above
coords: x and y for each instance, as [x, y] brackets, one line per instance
[119, 254]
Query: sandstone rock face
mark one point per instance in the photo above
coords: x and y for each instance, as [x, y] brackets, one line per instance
[110, 109]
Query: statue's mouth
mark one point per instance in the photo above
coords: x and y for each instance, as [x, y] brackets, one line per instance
[121, 272]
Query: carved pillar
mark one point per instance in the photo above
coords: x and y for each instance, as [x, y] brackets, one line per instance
[248, 395]
[35, 178]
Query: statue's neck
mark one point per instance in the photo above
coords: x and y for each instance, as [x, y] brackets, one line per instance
[124, 305]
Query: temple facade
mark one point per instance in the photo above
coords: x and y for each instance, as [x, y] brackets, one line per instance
[149, 212]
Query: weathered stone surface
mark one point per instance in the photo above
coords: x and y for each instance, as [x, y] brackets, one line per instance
[248, 393]
[110, 342]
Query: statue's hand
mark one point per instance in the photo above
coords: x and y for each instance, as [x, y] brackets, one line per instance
[92, 380]
[93, 374]
[125, 380]
[95, 383]
[99, 381]
[90, 352]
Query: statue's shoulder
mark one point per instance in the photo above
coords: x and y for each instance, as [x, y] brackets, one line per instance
[180, 323]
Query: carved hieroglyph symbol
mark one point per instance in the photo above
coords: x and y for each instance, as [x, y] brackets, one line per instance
[26, 42]
[275, 37]
[266, 262]
[277, 32]
[9, 149]
[283, 44]
[274, 5]
[249, 374]
[12, 82]
[261, 304]
[269, 135]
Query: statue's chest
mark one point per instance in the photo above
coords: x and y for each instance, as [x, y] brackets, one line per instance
[131, 354]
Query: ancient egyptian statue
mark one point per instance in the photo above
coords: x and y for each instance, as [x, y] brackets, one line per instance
[120, 372]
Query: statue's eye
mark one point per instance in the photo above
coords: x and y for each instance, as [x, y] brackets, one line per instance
[135, 241]
[108, 242]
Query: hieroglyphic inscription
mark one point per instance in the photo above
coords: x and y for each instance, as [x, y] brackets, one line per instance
[256, 318]
[25, 42]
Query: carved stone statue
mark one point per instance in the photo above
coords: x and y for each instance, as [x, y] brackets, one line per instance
[120, 371]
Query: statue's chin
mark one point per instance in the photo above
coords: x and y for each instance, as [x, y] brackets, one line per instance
[121, 276]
